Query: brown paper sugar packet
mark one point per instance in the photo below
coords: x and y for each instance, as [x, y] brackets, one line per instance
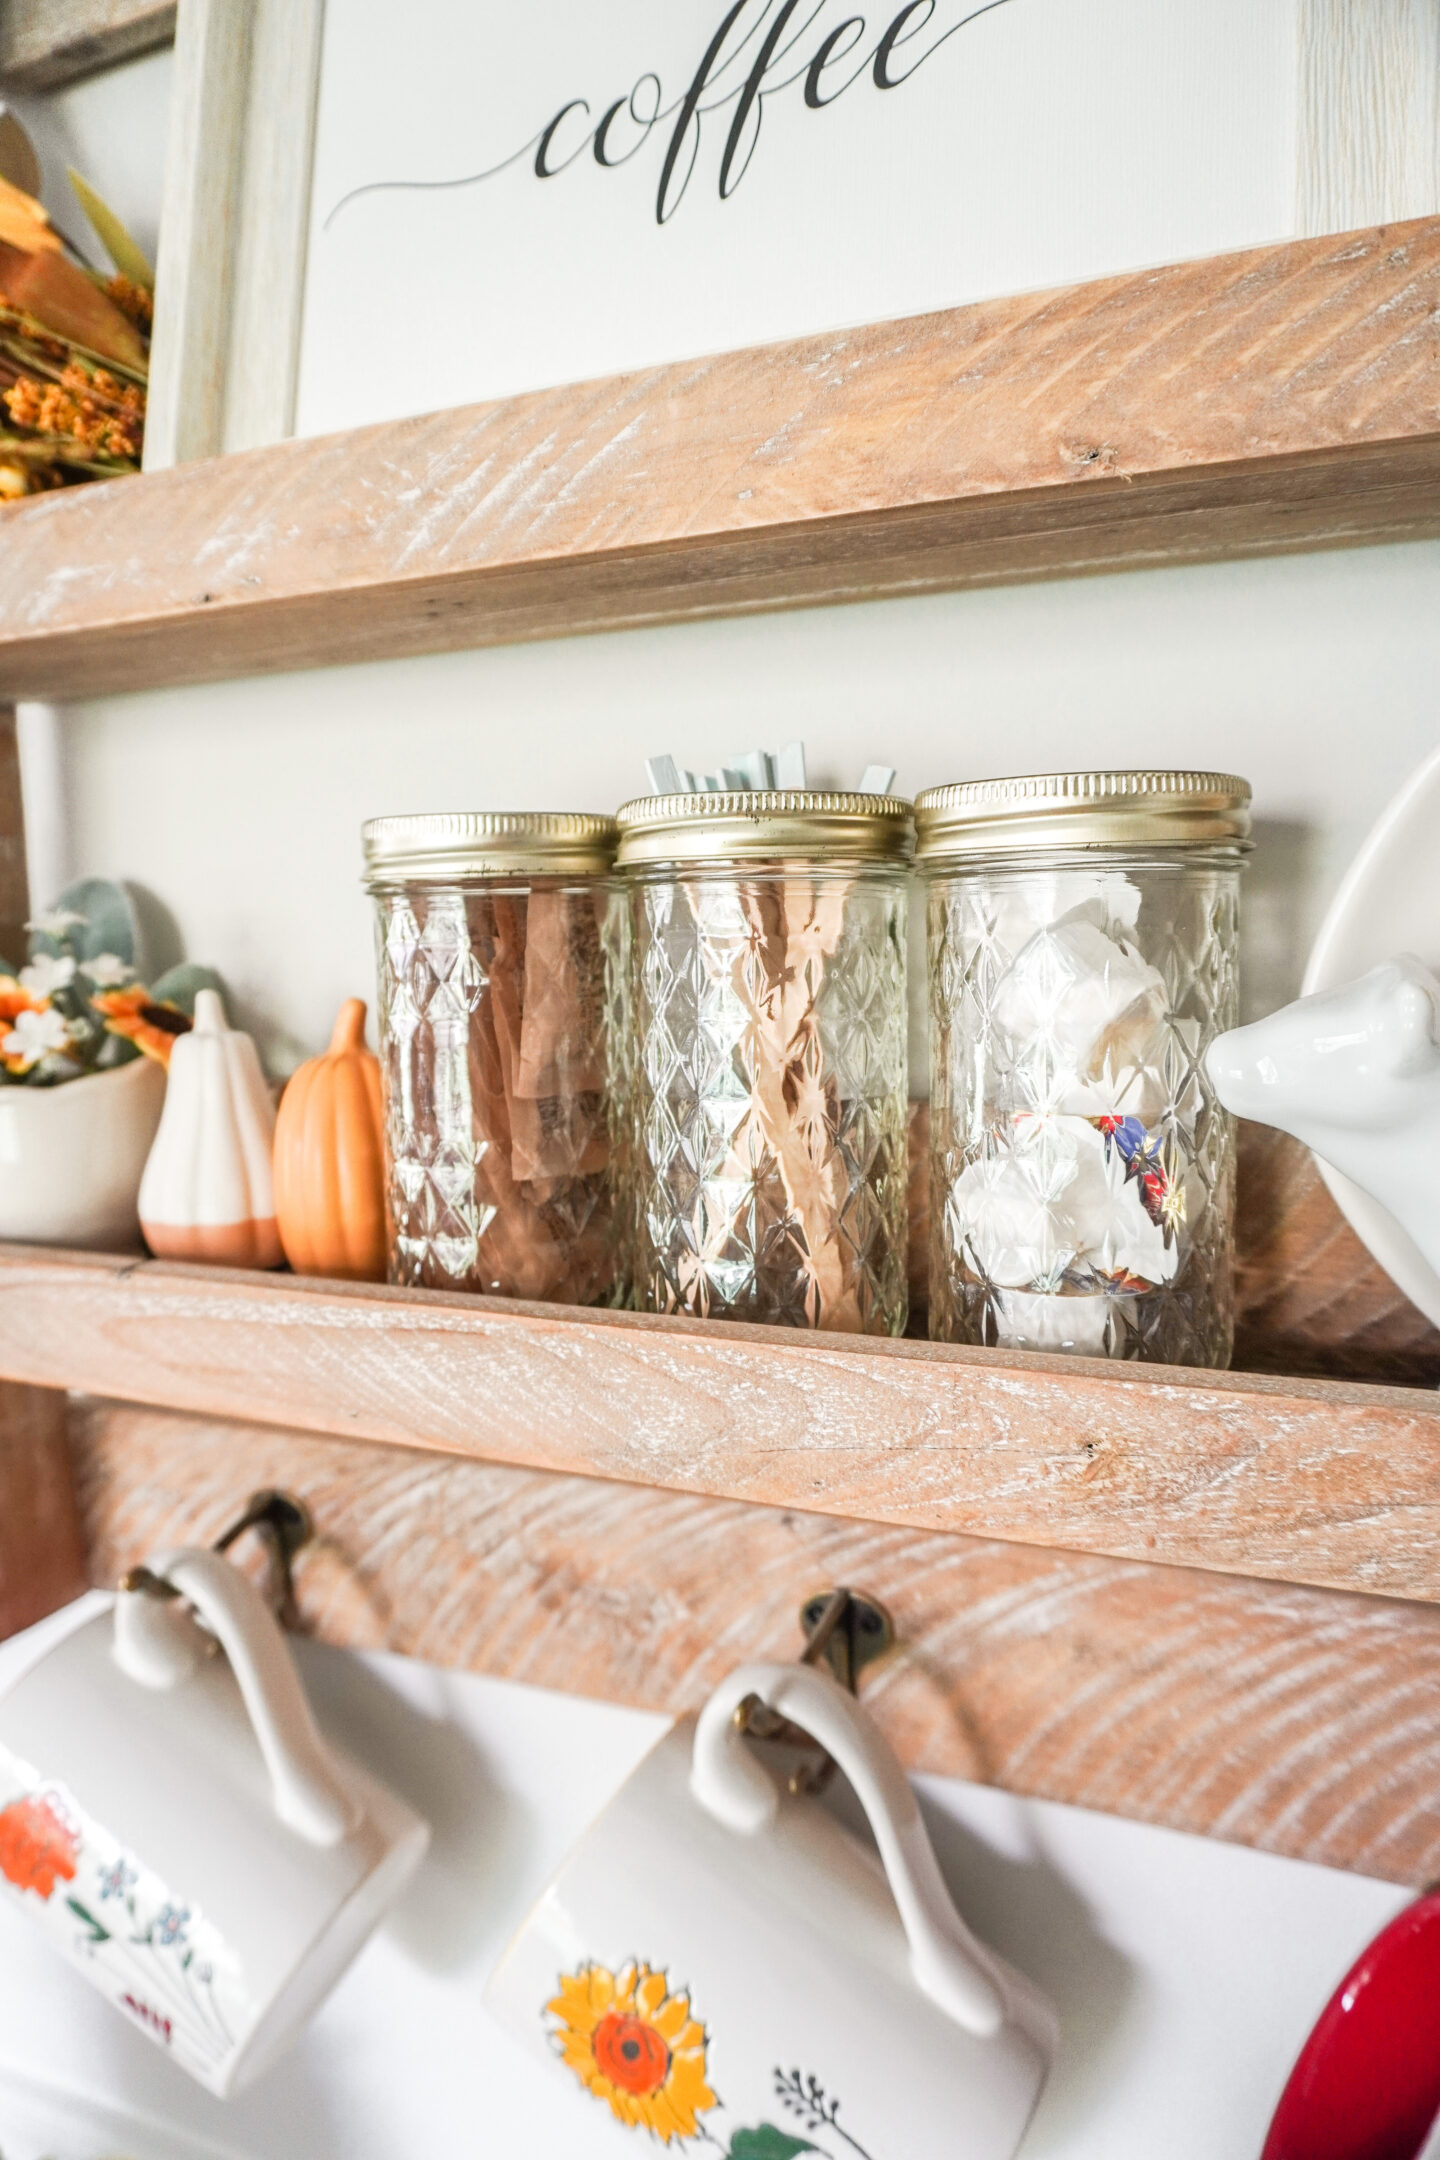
[561, 1036]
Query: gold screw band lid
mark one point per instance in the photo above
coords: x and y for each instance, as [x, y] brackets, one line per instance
[457, 844]
[765, 825]
[1082, 810]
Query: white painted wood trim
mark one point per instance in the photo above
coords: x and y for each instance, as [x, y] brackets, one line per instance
[192, 272]
[273, 223]
[1368, 116]
[231, 271]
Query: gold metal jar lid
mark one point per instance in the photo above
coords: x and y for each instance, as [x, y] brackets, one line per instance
[457, 844]
[765, 825]
[1082, 810]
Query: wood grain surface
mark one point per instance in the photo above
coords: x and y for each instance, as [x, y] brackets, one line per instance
[14, 871]
[1306, 1480]
[41, 1559]
[1284, 397]
[46, 43]
[1368, 119]
[233, 228]
[1308, 1296]
[1299, 1720]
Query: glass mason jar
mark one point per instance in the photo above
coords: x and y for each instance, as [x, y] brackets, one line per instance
[1081, 935]
[758, 1018]
[489, 941]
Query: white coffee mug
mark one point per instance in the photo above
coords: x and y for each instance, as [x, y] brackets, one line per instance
[720, 1960]
[171, 1816]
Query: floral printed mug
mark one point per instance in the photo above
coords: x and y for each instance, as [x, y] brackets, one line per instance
[720, 1962]
[172, 1817]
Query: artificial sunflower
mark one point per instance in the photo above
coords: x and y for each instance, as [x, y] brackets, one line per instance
[633, 2043]
[150, 1025]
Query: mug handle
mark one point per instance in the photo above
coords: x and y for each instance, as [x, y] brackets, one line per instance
[310, 1794]
[948, 1964]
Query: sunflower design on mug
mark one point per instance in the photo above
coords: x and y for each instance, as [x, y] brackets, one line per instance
[633, 2043]
[39, 1845]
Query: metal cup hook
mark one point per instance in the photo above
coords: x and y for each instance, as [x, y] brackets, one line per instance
[283, 1524]
[845, 1630]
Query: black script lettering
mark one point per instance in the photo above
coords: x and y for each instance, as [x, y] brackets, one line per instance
[774, 69]
[664, 208]
[751, 96]
[644, 121]
[826, 54]
[602, 133]
[897, 34]
[544, 170]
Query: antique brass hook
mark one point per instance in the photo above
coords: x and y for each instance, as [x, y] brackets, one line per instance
[848, 1630]
[845, 1630]
[283, 1525]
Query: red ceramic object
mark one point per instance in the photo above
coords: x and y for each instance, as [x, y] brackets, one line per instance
[1367, 2084]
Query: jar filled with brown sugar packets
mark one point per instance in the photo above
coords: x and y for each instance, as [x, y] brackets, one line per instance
[1082, 943]
[489, 936]
[758, 1019]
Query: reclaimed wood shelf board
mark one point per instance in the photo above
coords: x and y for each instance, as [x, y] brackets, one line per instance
[1298, 1719]
[1318, 1482]
[1285, 397]
[45, 44]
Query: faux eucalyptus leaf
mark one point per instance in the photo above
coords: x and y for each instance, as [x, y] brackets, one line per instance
[182, 985]
[116, 1050]
[125, 252]
[106, 923]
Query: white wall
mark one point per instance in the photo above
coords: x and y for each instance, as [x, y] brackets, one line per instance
[112, 129]
[238, 806]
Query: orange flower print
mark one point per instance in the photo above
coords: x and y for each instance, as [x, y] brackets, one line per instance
[37, 1846]
[135, 1015]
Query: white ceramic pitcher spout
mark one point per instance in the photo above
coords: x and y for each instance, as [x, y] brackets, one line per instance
[727, 1780]
[1354, 1073]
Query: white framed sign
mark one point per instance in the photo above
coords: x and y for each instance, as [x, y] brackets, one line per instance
[584, 190]
[503, 198]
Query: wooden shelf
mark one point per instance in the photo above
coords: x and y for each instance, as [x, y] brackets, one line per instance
[45, 44]
[623, 1507]
[1309, 1481]
[1286, 397]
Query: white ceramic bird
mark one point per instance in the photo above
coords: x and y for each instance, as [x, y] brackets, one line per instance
[1355, 1074]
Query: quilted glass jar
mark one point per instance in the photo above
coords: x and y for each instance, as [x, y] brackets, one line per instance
[758, 987]
[489, 944]
[1082, 948]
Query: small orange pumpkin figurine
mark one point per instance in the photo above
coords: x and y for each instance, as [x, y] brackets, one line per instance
[330, 1159]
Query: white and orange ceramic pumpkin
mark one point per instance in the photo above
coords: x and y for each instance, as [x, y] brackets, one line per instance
[208, 1191]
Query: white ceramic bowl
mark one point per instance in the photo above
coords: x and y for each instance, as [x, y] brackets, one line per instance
[71, 1157]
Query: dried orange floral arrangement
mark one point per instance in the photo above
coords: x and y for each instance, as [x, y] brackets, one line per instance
[74, 348]
[78, 1006]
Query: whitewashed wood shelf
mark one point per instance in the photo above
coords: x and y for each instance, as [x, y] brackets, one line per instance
[1321, 1482]
[1103, 1580]
[45, 44]
[1285, 397]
